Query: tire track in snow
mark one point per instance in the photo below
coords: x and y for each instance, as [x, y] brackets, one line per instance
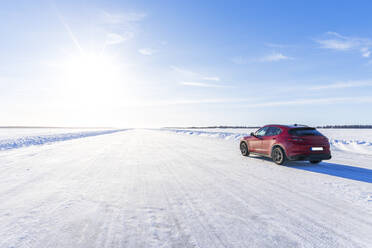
[300, 215]
[196, 207]
[179, 191]
[117, 218]
[172, 233]
[307, 219]
[202, 222]
[57, 202]
[252, 243]
[185, 236]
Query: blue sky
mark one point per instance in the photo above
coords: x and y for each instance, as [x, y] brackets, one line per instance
[183, 63]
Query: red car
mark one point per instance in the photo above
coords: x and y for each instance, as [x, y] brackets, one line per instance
[281, 143]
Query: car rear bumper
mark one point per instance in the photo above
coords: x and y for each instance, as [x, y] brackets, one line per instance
[319, 156]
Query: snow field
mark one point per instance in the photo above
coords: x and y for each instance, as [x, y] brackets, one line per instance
[338, 138]
[151, 188]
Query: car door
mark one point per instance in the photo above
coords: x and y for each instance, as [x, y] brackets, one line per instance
[256, 140]
[269, 139]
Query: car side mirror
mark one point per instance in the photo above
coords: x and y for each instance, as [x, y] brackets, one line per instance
[252, 134]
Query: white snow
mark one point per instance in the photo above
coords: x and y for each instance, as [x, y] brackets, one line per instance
[18, 141]
[13, 133]
[155, 188]
[350, 140]
[340, 134]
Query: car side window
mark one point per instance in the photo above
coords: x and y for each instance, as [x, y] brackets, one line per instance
[278, 131]
[272, 131]
[262, 131]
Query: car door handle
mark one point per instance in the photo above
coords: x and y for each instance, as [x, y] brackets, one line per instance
[274, 138]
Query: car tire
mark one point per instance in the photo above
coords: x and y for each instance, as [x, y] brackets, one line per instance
[278, 155]
[244, 149]
[315, 161]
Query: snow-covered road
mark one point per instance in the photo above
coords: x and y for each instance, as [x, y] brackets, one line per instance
[148, 188]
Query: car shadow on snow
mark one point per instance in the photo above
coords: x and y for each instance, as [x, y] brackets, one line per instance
[338, 170]
[332, 169]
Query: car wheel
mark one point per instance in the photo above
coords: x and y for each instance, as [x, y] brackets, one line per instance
[278, 155]
[315, 161]
[244, 149]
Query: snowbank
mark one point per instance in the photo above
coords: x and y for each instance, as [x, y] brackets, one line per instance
[221, 135]
[354, 146]
[25, 141]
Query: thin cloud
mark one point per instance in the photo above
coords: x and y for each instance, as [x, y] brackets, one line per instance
[274, 57]
[365, 52]
[183, 71]
[186, 102]
[299, 102]
[114, 38]
[211, 78]
[335, 41]
[120, 21]
[239, 60]
[147, 51]
[122, 18]
[341, 45]
[252, 102]
[206, 101]
[203, 85]
[341, 85]
[191, 74]
[332, 100]
[275, 45]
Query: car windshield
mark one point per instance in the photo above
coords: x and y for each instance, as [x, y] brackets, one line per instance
[304, 132]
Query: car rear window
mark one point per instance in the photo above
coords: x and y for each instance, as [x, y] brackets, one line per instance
[304, 132]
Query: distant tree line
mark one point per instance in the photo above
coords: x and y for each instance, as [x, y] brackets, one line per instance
[215, 127]
[226, 127]
[345, 126]
[326, 126]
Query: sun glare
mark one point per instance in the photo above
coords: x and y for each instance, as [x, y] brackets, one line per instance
[91, 79]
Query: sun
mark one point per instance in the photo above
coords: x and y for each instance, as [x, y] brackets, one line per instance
[91, 79]
[97, 88]
[88, 68]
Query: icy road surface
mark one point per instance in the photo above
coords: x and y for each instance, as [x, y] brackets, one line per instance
[143, 188]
